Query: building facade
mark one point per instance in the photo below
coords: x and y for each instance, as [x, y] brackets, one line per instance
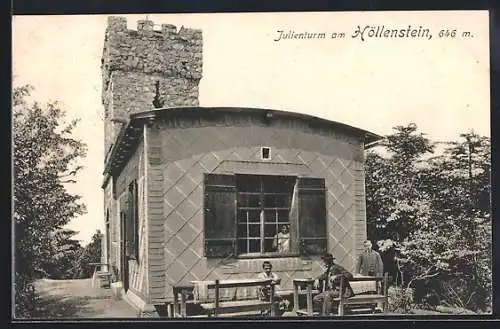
[194, 193]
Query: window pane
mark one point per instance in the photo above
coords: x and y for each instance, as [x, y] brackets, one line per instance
[270, 201]
[254, 246]
[270, 230]
[283, 201]
[243, 200]
[242, 246]
[254, 216]
[248, 183]
[278, 184]
[254, 200]
[242, 216]
[268, 245]
[273, 183]
[242, 230]
[283, 215]
[254, 230]
[270, 216]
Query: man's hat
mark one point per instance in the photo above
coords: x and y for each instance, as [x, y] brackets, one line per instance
[327, 256]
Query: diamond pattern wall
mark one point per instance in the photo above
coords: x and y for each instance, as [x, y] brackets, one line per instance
[189, 152]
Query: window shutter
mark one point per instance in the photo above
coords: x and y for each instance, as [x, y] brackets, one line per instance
[220, 215]
[312, 215]
[136, 220]
[131, 228]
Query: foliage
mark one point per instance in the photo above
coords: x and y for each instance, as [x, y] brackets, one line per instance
[63, 252]
[90, 254]
[431, 213]
[400, 300]
[45, 160]
[394, 202]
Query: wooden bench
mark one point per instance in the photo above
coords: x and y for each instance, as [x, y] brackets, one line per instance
[220, 307]
[360, 301]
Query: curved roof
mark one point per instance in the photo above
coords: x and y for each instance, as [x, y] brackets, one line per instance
[130, 129]
[181, 111]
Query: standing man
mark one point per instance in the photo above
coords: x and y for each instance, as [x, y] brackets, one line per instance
[328, 284]
[370, 262]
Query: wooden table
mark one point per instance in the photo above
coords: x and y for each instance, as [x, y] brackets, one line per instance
[309, 289]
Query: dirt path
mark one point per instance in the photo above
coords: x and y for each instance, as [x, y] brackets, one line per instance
[77, 299]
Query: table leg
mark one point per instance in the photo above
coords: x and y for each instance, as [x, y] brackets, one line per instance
[309, 299]
[273, 301]
[183, 304]
[295, 297]
[175, 310]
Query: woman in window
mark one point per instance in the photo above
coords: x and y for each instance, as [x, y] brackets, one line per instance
[282, 240]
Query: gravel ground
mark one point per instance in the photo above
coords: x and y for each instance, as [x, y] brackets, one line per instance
[77, 299]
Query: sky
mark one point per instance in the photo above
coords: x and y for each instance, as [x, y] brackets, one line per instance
[441, 84]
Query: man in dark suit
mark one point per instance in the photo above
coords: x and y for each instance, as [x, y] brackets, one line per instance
[328, 284]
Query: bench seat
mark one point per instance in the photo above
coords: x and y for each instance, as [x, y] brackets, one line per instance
[362, 299]
[283, 293]
[238, 305]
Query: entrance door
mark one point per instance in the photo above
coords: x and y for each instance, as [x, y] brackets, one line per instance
[123, 251]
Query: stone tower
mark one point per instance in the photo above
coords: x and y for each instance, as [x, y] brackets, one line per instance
[137, 63]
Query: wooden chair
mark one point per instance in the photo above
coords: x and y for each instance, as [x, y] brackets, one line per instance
[362, 300]
[103, 277]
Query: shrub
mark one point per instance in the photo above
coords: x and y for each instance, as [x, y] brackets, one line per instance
[400, 300]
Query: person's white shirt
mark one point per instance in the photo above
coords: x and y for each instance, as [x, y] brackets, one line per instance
[264, 276]
[282, 240]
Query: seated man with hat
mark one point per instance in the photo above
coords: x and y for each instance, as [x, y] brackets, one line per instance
[328, 284]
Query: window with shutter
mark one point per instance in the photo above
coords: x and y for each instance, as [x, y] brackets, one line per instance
[220, 215]
[132, 230]
[312, 231]
[263, 215]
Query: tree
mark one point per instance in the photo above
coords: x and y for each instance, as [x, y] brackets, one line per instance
[64, 252]
[431, 213]
[90, 254]
[393, 206]
[455, 244]
[45, 159]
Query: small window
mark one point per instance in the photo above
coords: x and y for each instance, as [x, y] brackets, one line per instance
[265, 153]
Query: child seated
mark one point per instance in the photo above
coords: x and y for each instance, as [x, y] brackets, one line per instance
[265, 291]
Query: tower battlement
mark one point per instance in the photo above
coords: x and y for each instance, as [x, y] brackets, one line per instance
[135, 62]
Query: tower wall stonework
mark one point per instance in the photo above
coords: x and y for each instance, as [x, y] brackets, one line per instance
[134, 61]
